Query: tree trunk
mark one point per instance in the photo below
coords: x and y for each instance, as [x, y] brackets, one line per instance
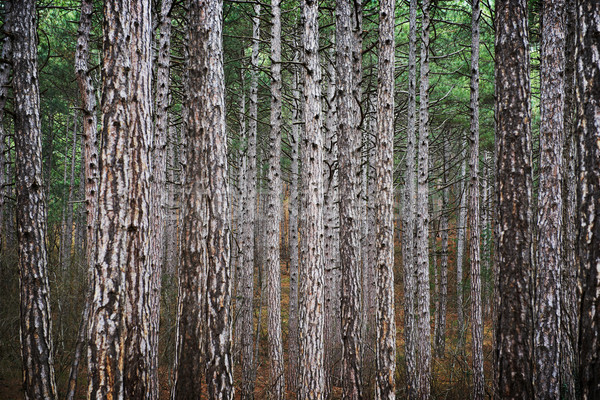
[349, 144]
[460, 252]
[4, 77]
[312, 383]
[474, 230]
[549, 222]
[384, 208]
[422, 226]
[569, 275]
[442, 301]
[514, 336]
[588, 198]
[409, 211]
[274, 213]
[90, 167]
[246, 278]
[293, 337]
[36, 325]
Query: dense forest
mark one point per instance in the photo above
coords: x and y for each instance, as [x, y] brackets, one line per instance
[302, 199]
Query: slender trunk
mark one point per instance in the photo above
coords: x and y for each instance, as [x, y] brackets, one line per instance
[333, 340]
[246, 294]
[474, 230]
[442, 300]
[293, 338]
[422, 226]
[273, 217]
[514, 336]
[349, 144]
[36, 325]
[588, 197]
[547, 337]
[90, 173]
[68, 253]
[409, 214]
[312, 381]
[384, 208]
[460, 253]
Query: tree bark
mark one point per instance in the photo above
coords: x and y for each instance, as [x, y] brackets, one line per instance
[514, 336]
[460, 252]
[547, 336]
[273, 219]
[36, 324]
[4, 84]
[474, 228]
[588, 197]
[349, 145]
[312, 383]
[422, 226]
[409, 210]
[442, 301]
[246, 278]
[384, 208]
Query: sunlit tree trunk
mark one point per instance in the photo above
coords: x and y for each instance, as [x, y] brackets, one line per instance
[547, 336]
[588, 196]
[474, 221]
[384, 208]
[274, 213]
[514, 314]
[312, 381]
[36, 327]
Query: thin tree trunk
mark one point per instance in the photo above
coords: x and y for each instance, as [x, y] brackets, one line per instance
[68, 247]
[409, 214]
[273, 217]
[36, 325]
[514, 336]
[460, 252]
[312, 381]
[349, 144]
[588, 198]
[422, 226]
[293, 337]
[90, 167]
[246, 285]
[474, 230]
[384, 209]
[547, 337]
[442, 301]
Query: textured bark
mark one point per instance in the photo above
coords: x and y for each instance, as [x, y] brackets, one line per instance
[384, 208]
[246, 278]
[422, 225]
[67, 225]
[549, 222]
[208, 108]
[293, 337]
[409, 214]
[312, 380]
[514, 336]
[159, 181]
[569, 274]
[588, 196]
[474, 230]
[331, 250]
[106, 348]
[273, 217]
[349, 145]
[4, 77]
[140, 378]
[460, 253]
[36, 326]
[442, 289]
